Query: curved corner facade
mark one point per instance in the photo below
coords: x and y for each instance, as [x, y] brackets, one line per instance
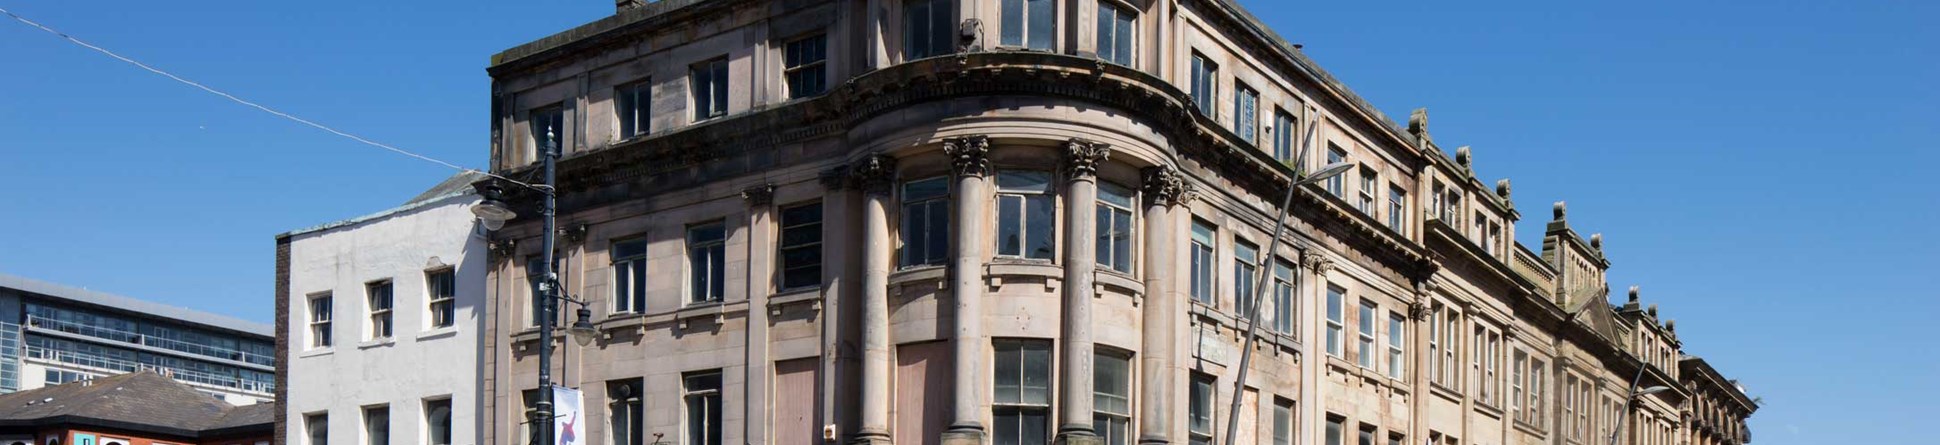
[1025, 222]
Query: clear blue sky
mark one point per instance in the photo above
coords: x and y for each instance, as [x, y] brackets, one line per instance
[1764, 169]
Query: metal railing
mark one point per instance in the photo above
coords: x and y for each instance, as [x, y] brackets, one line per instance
[112, 365]
[106, 333]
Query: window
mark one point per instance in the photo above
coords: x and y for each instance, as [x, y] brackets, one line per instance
[1537, 395]
[707, 262]
[1116, 33]
[1437, 204]
[1453, 206]
[1336, 185]
[1246, 113]
[624, 412]
[1202, 263]
[1491, 368]
[318, 428]
[801, 246]
[1517, 372]
[320, 321]
[633, 103]
[548, 126]
[443, 299]
[1495, 246]
[1397, 439]
[703, 399]
[1029, 23]
[1334, 428]
[1366, 322]
[1569, 406]
[1283, 130]
[1205, 83]
[926, 222]
[1025, 214]
[437, 421]
[1397, 208]
[1397, 345]
[1368, 178]
[927, 27]
[1283, 298]
[1481, 229]
[710, 83]
[1334, 319]
[1367, 435]
[378, 294]
[1112, 387]
[1114, 227]
[377, 425]
[1022, 407]
[1200, 409]
[630, 276]
[1282, 421]
[803, 66]
[1246, 266]
[535, 276]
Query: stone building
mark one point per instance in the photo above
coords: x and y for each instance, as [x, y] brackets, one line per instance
[1026, 221]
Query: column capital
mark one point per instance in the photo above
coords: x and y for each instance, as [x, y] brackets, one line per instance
[1165, 187]
[759, 195]
[835, 178]
[874, 173]
[1081, 158]
[969, 155]
[1319, 263]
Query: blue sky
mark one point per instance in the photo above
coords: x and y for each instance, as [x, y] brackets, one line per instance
[1763, 169]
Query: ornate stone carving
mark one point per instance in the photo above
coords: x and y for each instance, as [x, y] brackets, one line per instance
[759, 195]
[1418, 125]
[969, 155]
[874, 173]
[1596, 241]
[1082, 157]
[1557, 210]
[1418, 309]
[1319, 263]
[1463, 158]
[573, 233]
[504, 248]
[1502, 188]
[1164, 186]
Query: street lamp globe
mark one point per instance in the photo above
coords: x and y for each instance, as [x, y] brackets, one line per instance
[493, 213]
[583, 331]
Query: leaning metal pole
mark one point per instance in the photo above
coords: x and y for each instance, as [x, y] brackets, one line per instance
[1253, 312]
[542, 415]
[1628, 398]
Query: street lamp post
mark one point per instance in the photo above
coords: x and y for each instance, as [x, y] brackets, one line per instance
[494, 213]
[1634, 393]
[1259, 284]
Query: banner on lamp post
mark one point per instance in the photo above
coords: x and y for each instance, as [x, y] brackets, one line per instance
[566, 420]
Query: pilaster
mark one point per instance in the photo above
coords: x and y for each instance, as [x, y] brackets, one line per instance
[760, 285]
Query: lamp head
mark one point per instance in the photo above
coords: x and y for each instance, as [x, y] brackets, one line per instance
[493, 213]
[583, 330]
[1325, 172]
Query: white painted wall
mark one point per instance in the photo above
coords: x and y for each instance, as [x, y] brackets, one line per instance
[418, 364]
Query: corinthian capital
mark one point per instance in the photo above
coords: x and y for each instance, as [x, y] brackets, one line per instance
[1319, 263]
[1081, 157]
[1164, 186]
[874, 173]
[969, 155]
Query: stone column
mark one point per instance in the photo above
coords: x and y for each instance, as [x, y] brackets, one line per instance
[1313, 351]
[1165, 190]
[970, 162]
[875, 174]
[760, 284]
[1082, 159]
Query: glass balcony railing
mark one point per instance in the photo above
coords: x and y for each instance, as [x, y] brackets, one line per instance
[118, 335]
[112, 365]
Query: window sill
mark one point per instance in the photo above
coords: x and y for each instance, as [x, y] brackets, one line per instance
[318, 352]
[1531, 429]
[447, 331]
[1119, 280]
[919, 274]
[804, 295]
[1451, 395]
[377, 343]
[1002, 268]
[1488, 410]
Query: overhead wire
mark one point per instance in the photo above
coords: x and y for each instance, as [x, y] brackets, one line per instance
[257, 106]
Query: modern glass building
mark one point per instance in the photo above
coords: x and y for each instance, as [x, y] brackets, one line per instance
[52, 334]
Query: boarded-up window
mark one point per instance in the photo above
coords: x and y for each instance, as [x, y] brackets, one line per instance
[922, 393]
[795, 415]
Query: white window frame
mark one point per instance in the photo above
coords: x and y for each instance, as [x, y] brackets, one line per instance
[438, 303]
[1397, 345]
[1365, 328]
[1336, 315]
[1108, 239]
[383, 325]
[322, 334]
[1022, 198]
[698, 267]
